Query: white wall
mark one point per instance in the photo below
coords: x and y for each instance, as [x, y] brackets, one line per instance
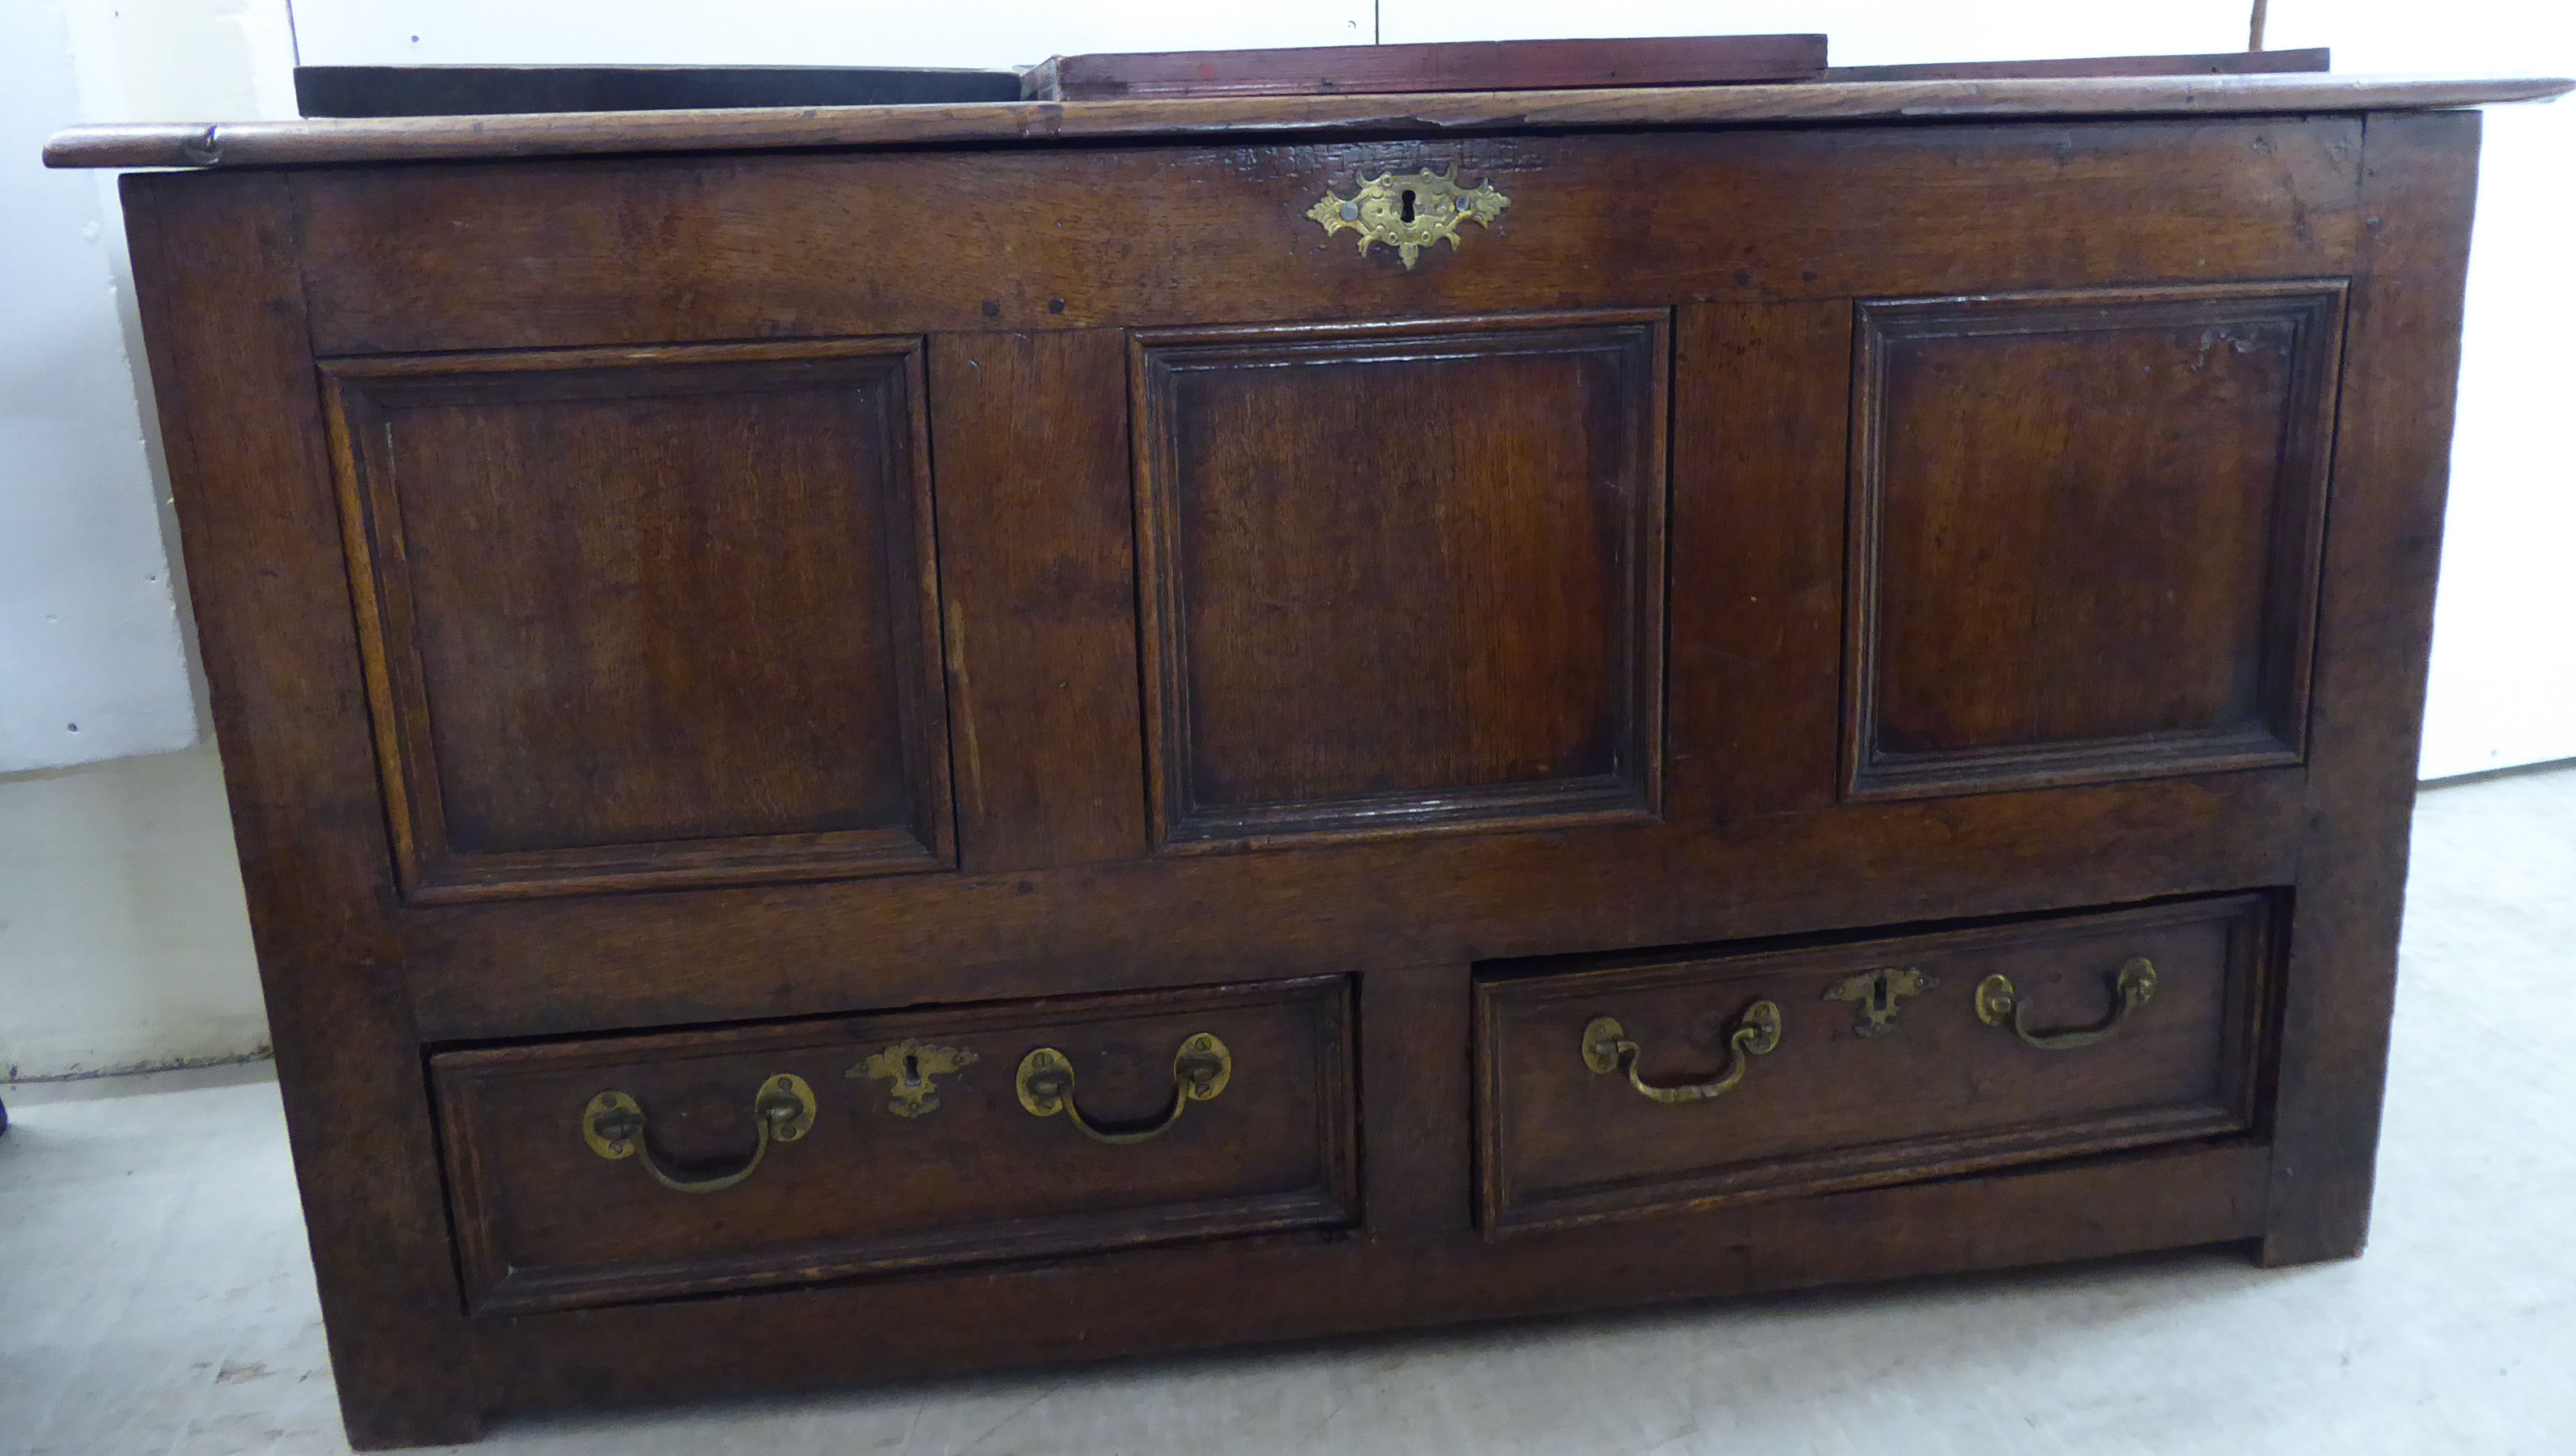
[1860, 32]
[1002, 33]
[123, 940]
[122, 937]
[975, 34]
[90, 663]
[2504, 632]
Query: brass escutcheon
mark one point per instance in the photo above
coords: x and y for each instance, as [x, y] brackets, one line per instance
[1200, 1070]
[1410, 212]
[1878, 992]
[1606, 1048]
[781, 1112]
[2132, 986]
[912, 1067]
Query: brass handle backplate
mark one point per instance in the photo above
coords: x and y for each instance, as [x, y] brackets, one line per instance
[1410, 212]
[1606, 1049]
[782, 1112]
[1200, 1070]
[2132, 986]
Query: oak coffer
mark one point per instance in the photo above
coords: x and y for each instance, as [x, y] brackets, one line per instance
[879, 740]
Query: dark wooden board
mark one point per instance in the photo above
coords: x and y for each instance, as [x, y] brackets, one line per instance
[1924, 1087]
[786, 950]
[1484, 65]
[608, 645]
[1317, 657]
[499, 90]
[552, 254]
[1123, 1304]
[2142, 605]
[963, 1174]
[251, 478]
[2374, 633]
[1758, 487]
[1038, 583]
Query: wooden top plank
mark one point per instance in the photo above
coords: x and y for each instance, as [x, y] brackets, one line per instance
[1476, 65]
[392, 139]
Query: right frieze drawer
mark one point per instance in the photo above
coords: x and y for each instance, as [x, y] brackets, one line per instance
[1690, 1079]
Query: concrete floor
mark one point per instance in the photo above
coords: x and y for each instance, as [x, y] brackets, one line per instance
[154, 1295]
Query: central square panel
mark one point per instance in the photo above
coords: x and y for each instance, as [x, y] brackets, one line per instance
[1404, 576]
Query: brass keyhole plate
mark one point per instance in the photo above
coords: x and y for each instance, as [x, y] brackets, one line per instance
[914, 1068]
[1878, 993]
[1411, 212]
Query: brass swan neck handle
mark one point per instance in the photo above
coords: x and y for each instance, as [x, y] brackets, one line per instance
[1200, 1070]
[614, 1125]
[1607, 1049]
[2132, 986]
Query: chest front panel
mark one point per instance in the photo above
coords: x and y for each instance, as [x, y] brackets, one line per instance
[1531, 530]
[884, 761]
[793, 589]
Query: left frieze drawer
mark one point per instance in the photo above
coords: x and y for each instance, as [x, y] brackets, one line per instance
[594, 1171]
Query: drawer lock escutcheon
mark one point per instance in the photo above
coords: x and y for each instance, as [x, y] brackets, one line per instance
[1200, 1070]
[913, 1067]
[2132, 986]
[1878, 992]
[782, 1112]
[1606, 1049]
[1409, 212]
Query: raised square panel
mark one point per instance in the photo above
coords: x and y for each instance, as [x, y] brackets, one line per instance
[2085, 534]
[648, 617]
[1402, 577]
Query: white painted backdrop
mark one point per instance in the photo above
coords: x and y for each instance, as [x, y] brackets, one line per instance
[122, 939]
[2504, 631]
[1005, 33]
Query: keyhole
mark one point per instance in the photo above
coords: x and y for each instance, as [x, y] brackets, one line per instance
[1408, 204]
[911, 1067]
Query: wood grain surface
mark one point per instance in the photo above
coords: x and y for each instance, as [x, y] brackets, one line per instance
[1038, 582]
[1122, 1304]
[1930, 1090]
[251, 478]
[648, 617]
[2374, 636]
[691, 506]
[724, 249]
[271, 143]
[2151, 468]
[1402, 576]
[1492, 65]
[970, 1177]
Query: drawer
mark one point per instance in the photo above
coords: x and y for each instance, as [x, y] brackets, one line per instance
[588, 1171]
[1671, 1081]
